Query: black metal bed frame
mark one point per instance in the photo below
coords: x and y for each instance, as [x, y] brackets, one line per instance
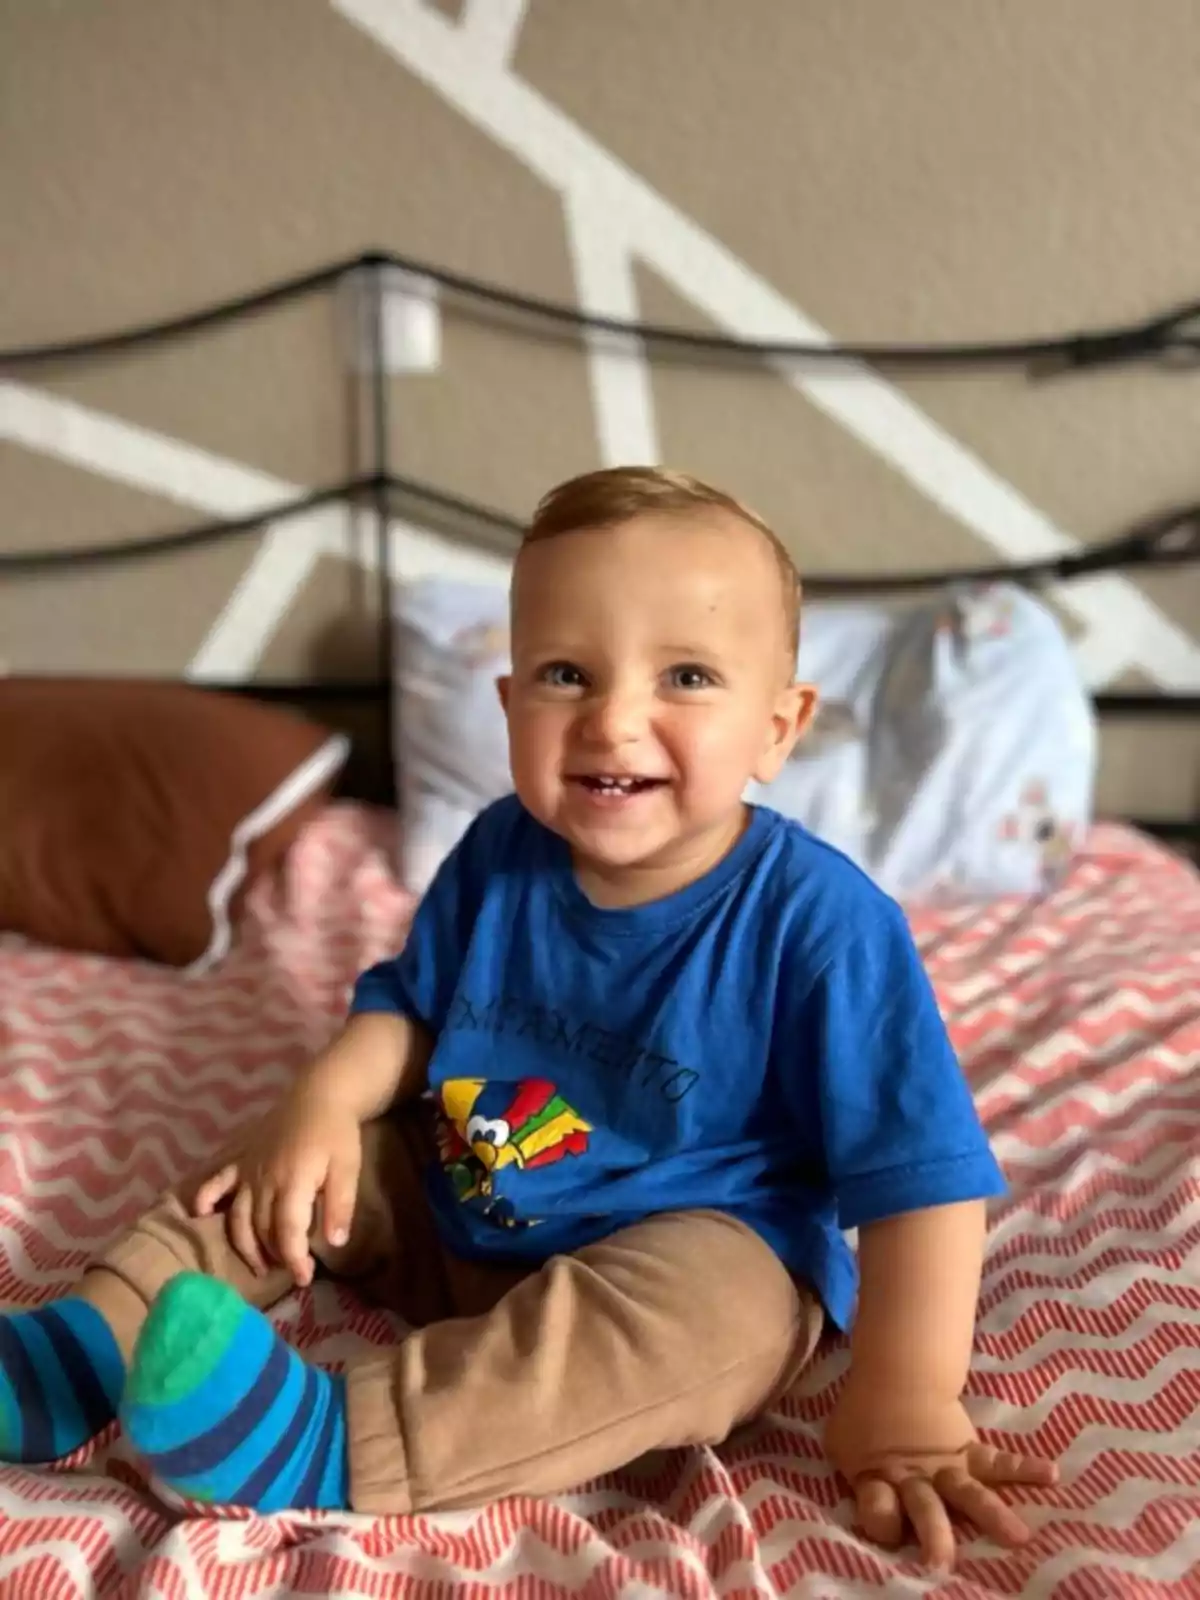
[1164, 539]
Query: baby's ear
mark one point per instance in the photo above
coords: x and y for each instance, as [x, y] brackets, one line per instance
[503, 685]
[794, 710]
[804, 707]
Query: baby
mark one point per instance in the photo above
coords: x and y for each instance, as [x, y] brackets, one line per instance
[597, 1130]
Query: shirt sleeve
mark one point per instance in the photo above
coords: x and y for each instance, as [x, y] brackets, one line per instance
[420, 981]
[899, 1128]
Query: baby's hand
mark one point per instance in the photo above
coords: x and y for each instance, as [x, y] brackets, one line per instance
[916, 1461]
[305, 1150]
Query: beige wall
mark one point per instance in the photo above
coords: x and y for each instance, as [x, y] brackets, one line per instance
[912, 170]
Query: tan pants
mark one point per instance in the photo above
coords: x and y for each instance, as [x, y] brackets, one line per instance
[667, 1334]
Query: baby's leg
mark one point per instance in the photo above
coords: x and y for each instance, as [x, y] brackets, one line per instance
[217, 1404]
[63, 1367]
[668, 1334]
[61, 1376]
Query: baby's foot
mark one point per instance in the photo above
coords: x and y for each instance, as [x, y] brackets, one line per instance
[224, 1411]
[61, 1376]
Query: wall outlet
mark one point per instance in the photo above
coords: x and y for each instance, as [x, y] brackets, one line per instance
[412, 321]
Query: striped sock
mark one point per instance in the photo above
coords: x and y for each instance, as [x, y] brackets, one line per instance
[61, 1376]
[223, 1411]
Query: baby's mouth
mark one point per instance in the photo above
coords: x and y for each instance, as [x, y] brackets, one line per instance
[616, 786]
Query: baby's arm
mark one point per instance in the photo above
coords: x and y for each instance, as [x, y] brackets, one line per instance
[919, 1288]
[310, 1145]
[909, 1165]
[379, 1059]
[310, 1148]
[899, 1432]
[399, 1005]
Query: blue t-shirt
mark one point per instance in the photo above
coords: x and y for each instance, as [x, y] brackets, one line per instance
[764, 1042]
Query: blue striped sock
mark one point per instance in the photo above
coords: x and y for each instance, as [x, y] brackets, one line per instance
[223, 1411]
[61, 1376]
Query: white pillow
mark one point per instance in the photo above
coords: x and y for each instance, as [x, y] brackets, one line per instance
[824, 784]
[953, 752]
[450, 737]
[963, 755]
[983, 750]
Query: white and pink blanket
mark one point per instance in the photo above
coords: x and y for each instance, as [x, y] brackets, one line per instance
[1078, 1021]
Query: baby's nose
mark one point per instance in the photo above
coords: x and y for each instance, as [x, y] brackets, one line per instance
[616, 718]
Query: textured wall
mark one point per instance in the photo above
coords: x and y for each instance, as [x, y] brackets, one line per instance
[909, 171]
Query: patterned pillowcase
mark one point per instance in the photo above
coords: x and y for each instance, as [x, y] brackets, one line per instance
[982, 769]
[952, 756]
[450, 738]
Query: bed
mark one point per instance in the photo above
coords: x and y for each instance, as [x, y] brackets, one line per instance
[1078, 1020]
[1077, 1016]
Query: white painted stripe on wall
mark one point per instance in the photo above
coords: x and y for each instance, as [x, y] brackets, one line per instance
[124, 452]
[622, 396]
[555, 149]
[492, 27]
[237, 640]
[417, 553]
[263, 596]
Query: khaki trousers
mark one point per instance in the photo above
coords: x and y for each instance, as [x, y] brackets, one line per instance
[666, 1334]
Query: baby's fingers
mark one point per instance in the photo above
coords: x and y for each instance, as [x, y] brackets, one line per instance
[293, 1229]
[341, 1190]
[926, 1510]
[263, 1217]
[983, 1507]
[879, 1512]
[214, 1189]
[1005, 1466]
[242, 1234]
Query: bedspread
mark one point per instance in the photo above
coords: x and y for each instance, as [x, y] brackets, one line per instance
[1078, 1021]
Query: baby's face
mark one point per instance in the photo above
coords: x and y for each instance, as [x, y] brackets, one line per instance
[650, 683]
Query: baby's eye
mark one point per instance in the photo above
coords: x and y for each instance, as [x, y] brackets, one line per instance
[561, 675]
[689, 676]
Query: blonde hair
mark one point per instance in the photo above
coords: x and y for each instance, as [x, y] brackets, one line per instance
[613, 495]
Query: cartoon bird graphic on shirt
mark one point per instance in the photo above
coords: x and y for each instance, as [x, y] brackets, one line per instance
[486, 1127]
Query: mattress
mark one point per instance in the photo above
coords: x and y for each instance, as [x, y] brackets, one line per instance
[1078, 1020]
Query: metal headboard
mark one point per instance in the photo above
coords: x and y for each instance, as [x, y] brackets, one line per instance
[1167, 538]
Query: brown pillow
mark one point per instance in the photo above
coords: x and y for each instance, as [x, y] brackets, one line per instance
[134, 816]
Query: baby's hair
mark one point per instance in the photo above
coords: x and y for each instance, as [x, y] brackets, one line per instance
[614, 495]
